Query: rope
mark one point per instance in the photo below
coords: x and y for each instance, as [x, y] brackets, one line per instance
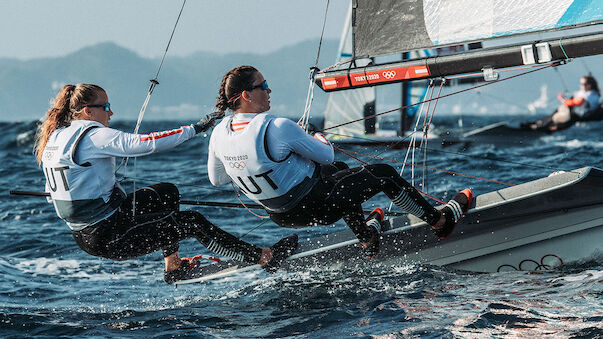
[426, 122]
[143, 109]
[349, 155]
[440, 97]
[567, 59]
[324, 23]
[432, 168]
[242, 203]
[305, 118]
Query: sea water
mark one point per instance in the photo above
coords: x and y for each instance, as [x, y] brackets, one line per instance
[49, 287]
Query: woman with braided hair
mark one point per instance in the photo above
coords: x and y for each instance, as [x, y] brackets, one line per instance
[293, 176]
[77, 151]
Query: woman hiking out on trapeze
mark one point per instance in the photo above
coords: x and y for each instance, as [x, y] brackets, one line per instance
[293, 176]
[77, 151]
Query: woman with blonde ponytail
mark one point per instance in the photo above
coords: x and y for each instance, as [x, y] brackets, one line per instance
[77, 150]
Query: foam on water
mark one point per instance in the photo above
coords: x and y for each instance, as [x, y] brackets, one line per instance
[49, 287]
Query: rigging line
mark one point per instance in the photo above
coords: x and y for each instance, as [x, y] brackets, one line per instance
[425, 132]
[508, 102]
[456, 153]
[414, 139]
[443, 96]
[418, 190]
[180, 184]
[363, 138]
[567, 59]
[425, 139]
[305, 119]
[505, 161]
[250, 211]
[433, 168]
[349, 155]
[336, 64]
[480, 74]
[435, 104]
[324, 23]
[253, 229]
[154, 82]
[565, 90]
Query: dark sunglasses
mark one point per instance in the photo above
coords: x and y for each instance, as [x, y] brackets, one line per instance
[106, 107]
[263, 86]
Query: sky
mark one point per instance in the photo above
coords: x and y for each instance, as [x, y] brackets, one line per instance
[35, 29]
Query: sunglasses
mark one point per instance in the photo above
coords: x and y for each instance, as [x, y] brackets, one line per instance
[263, 86]
[106, 107]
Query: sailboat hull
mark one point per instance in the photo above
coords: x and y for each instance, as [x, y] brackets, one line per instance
[538, 225]
[501, 133]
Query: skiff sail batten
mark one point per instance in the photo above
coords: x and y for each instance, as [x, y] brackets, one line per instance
[392, 26]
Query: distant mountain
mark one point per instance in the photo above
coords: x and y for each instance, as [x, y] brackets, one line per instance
[188, 85]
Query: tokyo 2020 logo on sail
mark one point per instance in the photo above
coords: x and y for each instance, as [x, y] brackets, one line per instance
[389, 74]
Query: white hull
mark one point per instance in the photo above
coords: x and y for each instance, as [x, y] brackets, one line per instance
[538, 225]
[540, 244]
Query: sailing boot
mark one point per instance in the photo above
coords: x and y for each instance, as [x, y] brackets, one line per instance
[373, 223]
[281, 251]
[189, 269]
[453, 211]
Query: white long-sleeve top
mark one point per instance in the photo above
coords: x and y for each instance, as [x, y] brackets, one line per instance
[105, 142]
[283, 137]
[79, 165]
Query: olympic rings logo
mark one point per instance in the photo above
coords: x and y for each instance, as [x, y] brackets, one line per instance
[237, 165]
[389, 74]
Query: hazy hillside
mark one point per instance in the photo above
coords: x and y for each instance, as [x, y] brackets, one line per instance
[188, 85]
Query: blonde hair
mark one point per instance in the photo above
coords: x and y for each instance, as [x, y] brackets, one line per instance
[66, 108]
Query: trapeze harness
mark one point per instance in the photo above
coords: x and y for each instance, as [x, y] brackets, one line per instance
[79, 164]
[292, 174]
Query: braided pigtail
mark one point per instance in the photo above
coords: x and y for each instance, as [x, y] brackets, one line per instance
[233, 84]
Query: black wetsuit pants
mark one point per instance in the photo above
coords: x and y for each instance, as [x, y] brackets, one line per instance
[158, 225]
[341, 191]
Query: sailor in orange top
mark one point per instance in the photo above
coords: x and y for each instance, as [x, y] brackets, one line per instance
[583, 105]
[77, 151]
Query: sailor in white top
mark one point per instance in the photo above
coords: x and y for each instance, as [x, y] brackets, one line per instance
[77, 152]
[292, 174]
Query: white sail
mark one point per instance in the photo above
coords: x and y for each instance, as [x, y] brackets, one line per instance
[391, 26]
[349, 105]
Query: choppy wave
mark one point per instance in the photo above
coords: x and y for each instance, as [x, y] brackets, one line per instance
[49, 287]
